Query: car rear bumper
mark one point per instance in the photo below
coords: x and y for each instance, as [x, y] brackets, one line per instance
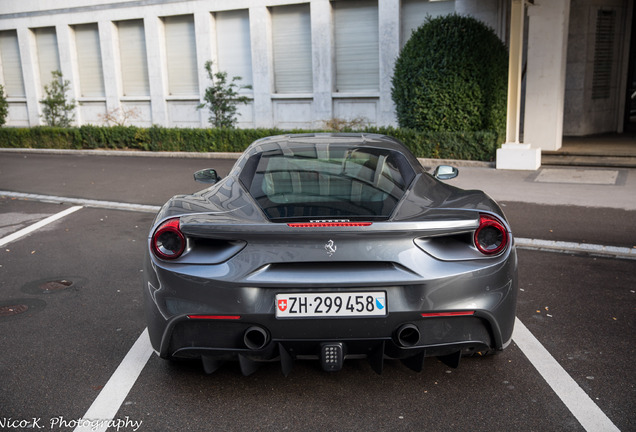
[403, 335]
[193, 318]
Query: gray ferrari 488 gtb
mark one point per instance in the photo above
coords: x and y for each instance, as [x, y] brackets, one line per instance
[329, 246]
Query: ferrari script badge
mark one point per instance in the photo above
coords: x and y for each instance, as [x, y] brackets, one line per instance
[331, 248]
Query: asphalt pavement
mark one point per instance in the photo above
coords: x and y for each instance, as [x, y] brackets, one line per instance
[58, 360]
[150, 179]
[606, 187]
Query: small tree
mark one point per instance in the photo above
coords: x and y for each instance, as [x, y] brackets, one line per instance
[57, 110]
[222, 97]
[4, 106]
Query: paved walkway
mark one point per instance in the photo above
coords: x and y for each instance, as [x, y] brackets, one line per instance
[594, 171]
[580, 186]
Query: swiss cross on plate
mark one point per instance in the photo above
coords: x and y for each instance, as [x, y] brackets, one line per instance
[282, 305]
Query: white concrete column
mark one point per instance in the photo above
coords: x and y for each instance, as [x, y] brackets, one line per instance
[389, 28]
[262, 56]
[68, 60]
[205, 30]
[111, 64]
[545, 82]
[28, 60]
[157, 74]
[513, 154]
[515, 60]
[322, 61]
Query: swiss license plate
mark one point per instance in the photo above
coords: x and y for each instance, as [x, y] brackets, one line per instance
[321, 305]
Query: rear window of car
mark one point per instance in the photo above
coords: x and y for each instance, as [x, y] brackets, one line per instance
[325, 182]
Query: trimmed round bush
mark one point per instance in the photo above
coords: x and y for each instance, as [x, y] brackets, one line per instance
[452, 76]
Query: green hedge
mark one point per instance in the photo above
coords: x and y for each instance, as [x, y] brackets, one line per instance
[479, 146]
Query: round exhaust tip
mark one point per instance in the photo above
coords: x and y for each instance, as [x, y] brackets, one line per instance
[255, 338]
[408, 335]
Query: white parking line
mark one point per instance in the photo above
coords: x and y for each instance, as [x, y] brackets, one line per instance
[522, 243]
[591, 417]
[28, 230]
[102, 412]
[81, 201]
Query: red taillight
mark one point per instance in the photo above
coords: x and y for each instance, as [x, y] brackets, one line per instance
[329, 224]
[447, 314]
[168, 242]
[491, 237]
[215, 317]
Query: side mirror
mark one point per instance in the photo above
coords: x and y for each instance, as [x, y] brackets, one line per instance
[445, 172]
[207, 175]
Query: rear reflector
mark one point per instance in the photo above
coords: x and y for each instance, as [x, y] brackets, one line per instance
[215, 317]
[329, 224]
[447, 314]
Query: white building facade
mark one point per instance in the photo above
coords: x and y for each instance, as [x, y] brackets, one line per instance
[307, 62]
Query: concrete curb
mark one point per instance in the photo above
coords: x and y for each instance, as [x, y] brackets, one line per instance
[132, 153]
[570, 247]
[426, 162]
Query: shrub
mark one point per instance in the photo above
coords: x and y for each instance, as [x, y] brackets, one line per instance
[120, 116]
[337, 124]
[452, 76]
[427, 144]
[4, 106]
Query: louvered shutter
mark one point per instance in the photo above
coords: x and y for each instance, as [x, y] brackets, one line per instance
[89, 60]
[47, 54]
[181, 55]
[233, 44]
[132, 52]
[291, 34]
[11, 65]
[414, 13]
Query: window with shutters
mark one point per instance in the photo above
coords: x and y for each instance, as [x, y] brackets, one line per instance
[11, 65]
[181, 55]
[234, 49]
[291, 40]
[132, 53]
[89, 60]
[47, 54]
[415, 12]
[603, 54]
[356, 38]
